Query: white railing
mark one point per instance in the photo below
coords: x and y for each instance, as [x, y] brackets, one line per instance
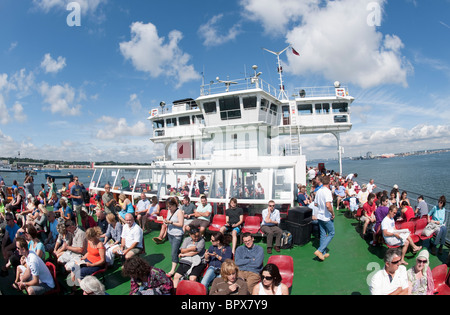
[319, 91]
[237, 85]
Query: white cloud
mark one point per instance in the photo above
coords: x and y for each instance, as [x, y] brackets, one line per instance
[276, 15]
[210, 33]
[60, 98]
[117, 128]
[4, 117]
[19, 114]
[152, 54]
[135, 104]
[335, 40]
[51, 65]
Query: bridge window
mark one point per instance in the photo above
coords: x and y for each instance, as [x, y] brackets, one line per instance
[249, 102]
[185, 120]
[171, 122]
[210, 107]
[322, 108]
[340, 107]
[230, 107]
[304, 109]
[158, 124]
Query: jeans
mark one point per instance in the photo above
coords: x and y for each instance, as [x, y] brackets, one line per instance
[175, 241]
[326, 234]
[440, 236]
[209, 276]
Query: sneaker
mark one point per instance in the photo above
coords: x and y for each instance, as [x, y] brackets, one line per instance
[277, 249]
[269, 250]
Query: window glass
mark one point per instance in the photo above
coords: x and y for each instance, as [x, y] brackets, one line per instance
[304, 109]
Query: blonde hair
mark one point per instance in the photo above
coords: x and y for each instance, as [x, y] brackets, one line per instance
[93, 232]
[110, 218]
[122, 197]
[228, 267]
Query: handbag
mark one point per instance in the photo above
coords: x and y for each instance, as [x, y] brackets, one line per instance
[430, 229]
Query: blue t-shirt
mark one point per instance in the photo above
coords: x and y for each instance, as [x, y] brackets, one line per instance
[12, 231]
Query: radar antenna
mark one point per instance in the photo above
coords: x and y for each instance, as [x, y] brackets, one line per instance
[227, 83]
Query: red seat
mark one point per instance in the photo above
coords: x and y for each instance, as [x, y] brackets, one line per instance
[441, 276]
[252, 224]
[420, 226]
[359, 213]
[218, 221]
[188, 287]
[162, 213]
[101, 273]
[412, 228]
[51, 267]
[286, 266]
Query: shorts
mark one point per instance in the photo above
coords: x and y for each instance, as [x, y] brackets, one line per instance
[228, 229]
[199, 223]
[196, 271]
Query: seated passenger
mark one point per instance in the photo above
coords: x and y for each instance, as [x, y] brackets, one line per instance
[394, 237]
[229, 283]
[217, 253]
[270, 282]
[202, 216]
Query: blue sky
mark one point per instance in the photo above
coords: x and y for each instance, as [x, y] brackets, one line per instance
[84, 92]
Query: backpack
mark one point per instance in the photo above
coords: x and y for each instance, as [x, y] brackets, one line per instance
[286, 240]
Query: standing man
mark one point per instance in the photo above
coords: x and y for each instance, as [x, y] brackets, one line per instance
[108, 200]
[76, 193]
[269, 226]
[393, 278]
[325, 216]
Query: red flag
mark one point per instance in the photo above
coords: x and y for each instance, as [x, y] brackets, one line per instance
[295, 52]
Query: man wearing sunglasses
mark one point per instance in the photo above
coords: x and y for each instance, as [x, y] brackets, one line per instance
[393, 278]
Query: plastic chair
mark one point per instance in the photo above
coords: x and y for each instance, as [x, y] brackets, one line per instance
[286, 266]
[218, 221]
[441, 275]
[420, 226]
[101, 273]
[252, 224]
[162, 213]
[412, 228]
[188, 287]
[51, 267]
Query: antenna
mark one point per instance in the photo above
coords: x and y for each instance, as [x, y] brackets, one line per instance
[227, 83]
[282, 95]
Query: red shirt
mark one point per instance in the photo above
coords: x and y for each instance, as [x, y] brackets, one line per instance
[369, 209]
[409, 213]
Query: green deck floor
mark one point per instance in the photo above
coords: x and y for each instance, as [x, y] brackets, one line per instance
[352, 260]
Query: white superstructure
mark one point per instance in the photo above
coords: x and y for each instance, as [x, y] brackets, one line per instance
[243, 136]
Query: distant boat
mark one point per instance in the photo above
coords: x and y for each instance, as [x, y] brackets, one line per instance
[69, 176]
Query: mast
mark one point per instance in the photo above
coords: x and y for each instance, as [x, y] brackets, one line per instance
[282, 95]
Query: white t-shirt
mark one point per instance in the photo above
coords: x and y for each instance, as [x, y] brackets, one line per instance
[39, 269]
[132, 235]
[323, 196]
[381, 283]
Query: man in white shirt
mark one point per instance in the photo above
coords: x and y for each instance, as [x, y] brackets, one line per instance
[142, 209]
[325, 216]
[392, 279]
[371, 186]
[36, 279]
[269, 226]
[132, 238]
[394, 237]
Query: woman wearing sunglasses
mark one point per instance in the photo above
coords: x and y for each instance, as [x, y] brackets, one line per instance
[420, 277]
[270, 282]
